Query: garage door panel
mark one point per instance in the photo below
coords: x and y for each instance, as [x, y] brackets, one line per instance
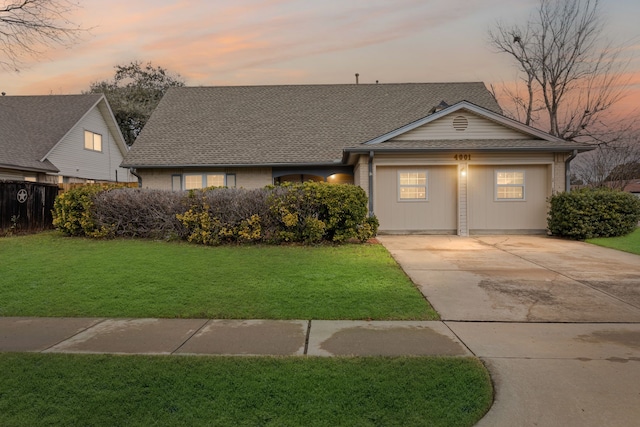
[487, 213]
[438, 213]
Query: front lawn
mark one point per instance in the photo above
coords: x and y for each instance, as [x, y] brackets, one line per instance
[103, 390]
[51, 275]
[628, 243]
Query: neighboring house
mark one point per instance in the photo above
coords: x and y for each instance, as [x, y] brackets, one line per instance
[432, 157]
[60, 139]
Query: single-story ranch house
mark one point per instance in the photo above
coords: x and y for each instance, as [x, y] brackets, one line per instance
[432, 157]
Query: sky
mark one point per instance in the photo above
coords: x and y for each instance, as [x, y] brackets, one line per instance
[265, 42]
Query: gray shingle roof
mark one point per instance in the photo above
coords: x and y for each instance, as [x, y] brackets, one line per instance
[263, 125]
[30, 126]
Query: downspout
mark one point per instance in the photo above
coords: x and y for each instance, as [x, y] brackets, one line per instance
[567, 171]
[133, 172]
[370, 183]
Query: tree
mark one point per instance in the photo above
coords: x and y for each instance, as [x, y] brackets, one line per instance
[133, 94]
[612, 165]
[28, 26]
[570, 77]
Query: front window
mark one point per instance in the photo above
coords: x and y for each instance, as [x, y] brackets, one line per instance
[202, 180]
[510, 185]
[412, 185]
[92, 141]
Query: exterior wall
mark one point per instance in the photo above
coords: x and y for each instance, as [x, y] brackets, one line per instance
[73, 160]
[558, 172]
[160, 179]
[465, 204]
[478, 128]
[361, 173]
[438, 214]
[14, 175]
[486, 215]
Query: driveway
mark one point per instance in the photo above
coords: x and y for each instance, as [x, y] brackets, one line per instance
[521, 278]
[556, 322]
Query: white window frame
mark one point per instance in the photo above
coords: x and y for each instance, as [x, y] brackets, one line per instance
[401, 186]
[497, 185]
[92, 135]
[227, 179]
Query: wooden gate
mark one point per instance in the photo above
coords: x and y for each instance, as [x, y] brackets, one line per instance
[26, 206]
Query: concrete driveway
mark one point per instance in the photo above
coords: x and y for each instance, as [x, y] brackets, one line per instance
[521, 278]
[556, 322]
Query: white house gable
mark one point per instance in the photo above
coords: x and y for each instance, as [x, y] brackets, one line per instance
[100, 162]
[461, 124]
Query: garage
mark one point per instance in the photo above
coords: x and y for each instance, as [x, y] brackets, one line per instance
[417, 199]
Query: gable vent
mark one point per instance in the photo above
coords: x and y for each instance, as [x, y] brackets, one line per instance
[460, 123]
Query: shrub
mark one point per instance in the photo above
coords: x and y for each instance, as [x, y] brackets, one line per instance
[72, 210]
[309, 212]
[126, 212]
[588, 213]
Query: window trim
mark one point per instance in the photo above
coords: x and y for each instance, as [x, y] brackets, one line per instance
[401, 186]
[496, 186]
[93, 140]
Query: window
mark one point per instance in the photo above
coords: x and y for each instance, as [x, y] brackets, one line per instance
[202, 180]
[92, 141]
[509, 185]
[412, 185]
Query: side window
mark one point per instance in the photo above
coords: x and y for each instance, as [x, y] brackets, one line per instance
[92, 141]
[412, 185]
[509, 185]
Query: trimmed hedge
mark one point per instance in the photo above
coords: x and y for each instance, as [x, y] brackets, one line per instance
[588, 213]
[311, 212]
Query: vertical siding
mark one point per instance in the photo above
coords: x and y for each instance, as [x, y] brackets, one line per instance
[437, 215]
[73, 160]
[478, 128]
[486, 214]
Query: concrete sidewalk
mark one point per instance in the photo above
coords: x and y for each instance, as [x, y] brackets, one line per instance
[228, 337]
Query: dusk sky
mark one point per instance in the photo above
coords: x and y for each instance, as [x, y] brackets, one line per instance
[264, 42]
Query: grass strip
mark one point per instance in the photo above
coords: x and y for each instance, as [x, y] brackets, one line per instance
[628, 243]
[51, 275]
[108, 390]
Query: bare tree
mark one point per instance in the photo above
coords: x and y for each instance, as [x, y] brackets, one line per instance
[28, 26]
[612, 165]
[571, 78]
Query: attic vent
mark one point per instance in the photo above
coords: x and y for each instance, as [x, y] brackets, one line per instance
[460, 123]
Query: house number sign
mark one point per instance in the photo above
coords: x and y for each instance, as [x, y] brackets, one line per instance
[22, 195]
[462, 157]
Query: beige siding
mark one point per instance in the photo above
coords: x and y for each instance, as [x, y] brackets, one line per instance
[474, 158]
[361, 173]
[71, 158]
[437, 215]
[252, 177]
[488, 215]
[478, 128]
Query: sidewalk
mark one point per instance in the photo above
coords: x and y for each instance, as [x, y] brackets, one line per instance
[228, 337]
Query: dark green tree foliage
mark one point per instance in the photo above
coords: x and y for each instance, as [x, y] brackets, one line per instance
[588, 213]
[133, 94]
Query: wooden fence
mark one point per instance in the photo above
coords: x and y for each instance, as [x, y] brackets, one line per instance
[26, 206]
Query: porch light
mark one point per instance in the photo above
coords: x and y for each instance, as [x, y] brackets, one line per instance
[463, 171]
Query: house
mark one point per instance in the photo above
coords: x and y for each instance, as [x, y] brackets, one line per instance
[60, 139]
[432, 157]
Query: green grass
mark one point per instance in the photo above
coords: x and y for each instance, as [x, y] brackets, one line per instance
[102, 390]
[628, 243]
[50, 275]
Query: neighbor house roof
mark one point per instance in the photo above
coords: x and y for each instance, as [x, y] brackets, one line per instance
[31, 126]
[281, 125]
